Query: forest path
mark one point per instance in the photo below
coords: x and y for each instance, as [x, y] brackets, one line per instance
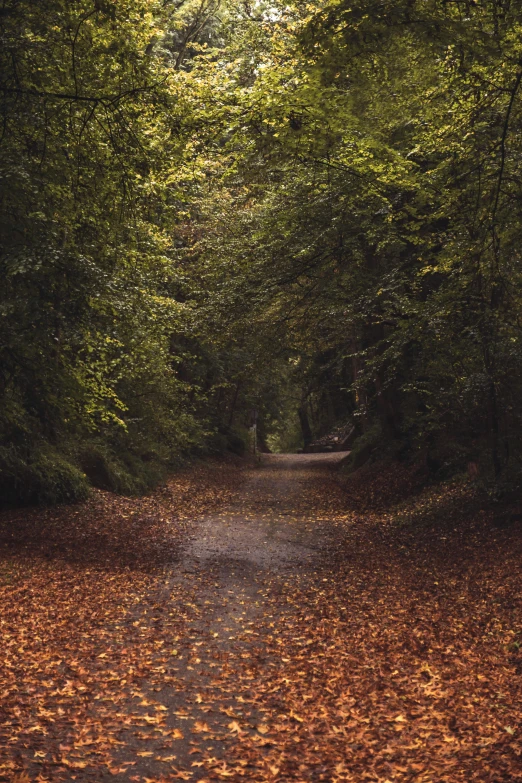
[238, 560]
[263, 625]
[272, 524]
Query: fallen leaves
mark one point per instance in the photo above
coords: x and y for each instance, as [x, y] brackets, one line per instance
[82, 630]
[396, 657]
[201, 726]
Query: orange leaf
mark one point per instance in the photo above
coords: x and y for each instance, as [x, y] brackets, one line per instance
[201, 725]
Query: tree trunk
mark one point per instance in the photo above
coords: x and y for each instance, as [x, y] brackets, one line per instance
[234, 403]
[305, 425]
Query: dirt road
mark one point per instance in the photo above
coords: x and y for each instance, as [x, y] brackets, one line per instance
[133, 638]
[277, 629]
[238, 560]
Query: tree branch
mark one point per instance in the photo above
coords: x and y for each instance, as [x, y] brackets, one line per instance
[505, 129]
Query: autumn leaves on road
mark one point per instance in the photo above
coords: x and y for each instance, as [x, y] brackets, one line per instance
[262, 624]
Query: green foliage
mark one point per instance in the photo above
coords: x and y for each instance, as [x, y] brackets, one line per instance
[92, 185]
[368, 210]
[120, 470]
[286, 437]
[43, 476]
[209, 209]
[367, 446]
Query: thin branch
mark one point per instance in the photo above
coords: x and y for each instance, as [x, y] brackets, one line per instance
[105, 99]
[505, 129]
[73, 45]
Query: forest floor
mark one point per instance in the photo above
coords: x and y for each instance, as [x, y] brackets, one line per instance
[266, 623]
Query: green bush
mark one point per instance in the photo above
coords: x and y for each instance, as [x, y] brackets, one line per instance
[45, 477]
[364, 448]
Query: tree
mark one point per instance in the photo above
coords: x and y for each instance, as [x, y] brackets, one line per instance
[371, 167]
[90, 191]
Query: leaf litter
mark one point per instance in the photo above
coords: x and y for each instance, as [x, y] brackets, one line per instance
[395, 656]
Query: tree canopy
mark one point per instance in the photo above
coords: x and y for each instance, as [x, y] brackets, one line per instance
[311, 210]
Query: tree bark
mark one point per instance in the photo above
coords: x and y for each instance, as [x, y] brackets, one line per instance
[305, 424]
